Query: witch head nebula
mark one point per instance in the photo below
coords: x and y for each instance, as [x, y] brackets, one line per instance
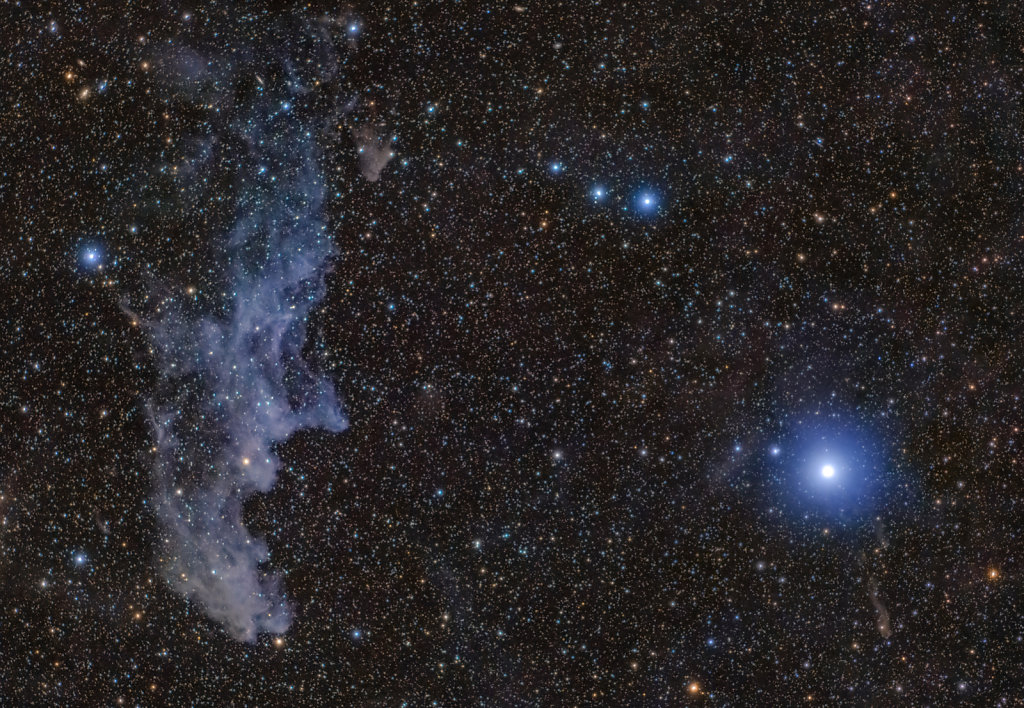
[233, 382]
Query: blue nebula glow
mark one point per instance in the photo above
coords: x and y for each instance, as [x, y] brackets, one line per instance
[233, 383]
[831, 468]
[828, 467]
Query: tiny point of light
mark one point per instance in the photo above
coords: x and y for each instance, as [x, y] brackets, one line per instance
[828, 471]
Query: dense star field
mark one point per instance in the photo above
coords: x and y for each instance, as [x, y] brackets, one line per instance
[484, 354]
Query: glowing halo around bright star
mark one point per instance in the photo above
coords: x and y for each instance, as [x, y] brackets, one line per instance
[90, 257]
[645, 202]
[829, 466]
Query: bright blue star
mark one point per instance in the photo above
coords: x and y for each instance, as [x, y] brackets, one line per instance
[90, 257]
[830, 466]
[556, 167]
[598, 193]
[647, 202]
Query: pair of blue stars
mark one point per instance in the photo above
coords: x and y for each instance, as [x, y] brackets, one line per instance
[646, 202]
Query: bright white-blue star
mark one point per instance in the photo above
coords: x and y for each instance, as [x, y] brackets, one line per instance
[90, 257]
[831, 466]
[647, 201]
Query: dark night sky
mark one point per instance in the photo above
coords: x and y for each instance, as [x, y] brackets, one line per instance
[677, 345]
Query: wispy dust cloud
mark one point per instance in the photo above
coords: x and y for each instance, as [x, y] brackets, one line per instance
[373, 151]
[232, 378]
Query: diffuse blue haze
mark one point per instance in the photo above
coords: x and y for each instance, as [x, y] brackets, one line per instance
[234, 382]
